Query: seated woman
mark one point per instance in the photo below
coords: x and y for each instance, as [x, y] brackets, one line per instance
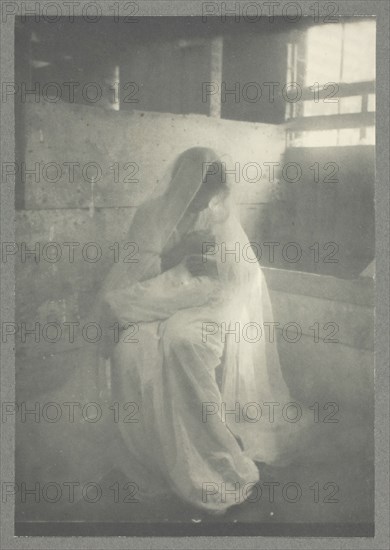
[182, 307]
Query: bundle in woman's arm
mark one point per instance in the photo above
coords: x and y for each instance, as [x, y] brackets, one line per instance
[162, 296]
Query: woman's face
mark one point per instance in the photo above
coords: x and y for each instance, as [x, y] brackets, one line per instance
[202, 198]
[214, 184]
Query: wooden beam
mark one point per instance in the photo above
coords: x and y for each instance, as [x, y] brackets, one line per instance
[343, 90]
[332, 122]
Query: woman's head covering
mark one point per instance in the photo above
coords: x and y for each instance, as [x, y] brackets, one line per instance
[156, 218]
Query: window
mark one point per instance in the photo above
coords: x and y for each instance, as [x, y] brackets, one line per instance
[334, 64]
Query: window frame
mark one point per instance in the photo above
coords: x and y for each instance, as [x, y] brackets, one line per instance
[295, 119]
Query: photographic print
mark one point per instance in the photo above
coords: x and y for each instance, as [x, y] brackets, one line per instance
[195, 269]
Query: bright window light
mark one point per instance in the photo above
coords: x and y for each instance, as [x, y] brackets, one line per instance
[341, 52]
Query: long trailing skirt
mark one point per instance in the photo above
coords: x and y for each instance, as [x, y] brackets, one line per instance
[164, 376]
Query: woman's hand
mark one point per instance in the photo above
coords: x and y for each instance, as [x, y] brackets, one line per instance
[200, 266]
[191, 244]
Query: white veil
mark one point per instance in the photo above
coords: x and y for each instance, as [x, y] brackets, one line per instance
[252, 381]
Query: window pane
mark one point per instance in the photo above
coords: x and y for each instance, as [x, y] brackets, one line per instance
[311, 108]
[331, 138]
[369, 139]
[349, 136]
[359, 52]
[322, 138]
[343, 105]
[329, 46]
[323, 54]
[371, 102]
[351, 104]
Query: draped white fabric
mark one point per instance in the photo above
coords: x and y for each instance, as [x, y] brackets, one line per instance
[188, 329]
